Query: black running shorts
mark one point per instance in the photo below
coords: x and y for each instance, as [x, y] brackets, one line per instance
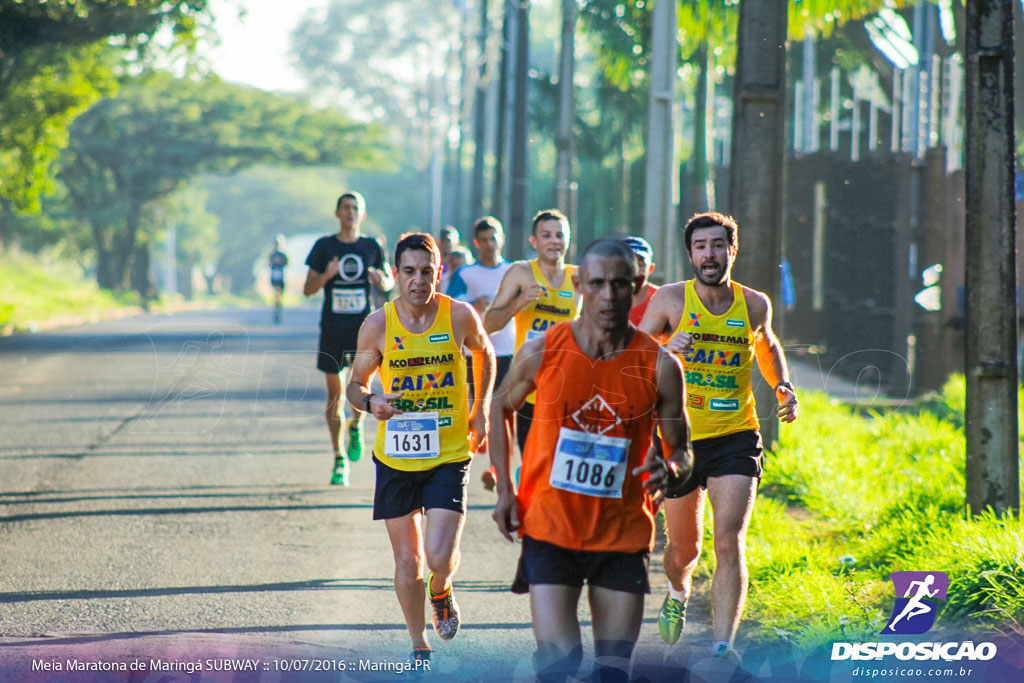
[397, 492]
[546, 563]
[337, 347]
[524, 418]
[738, 453]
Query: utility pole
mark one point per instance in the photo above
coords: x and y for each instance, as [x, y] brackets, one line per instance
[476, 191]
[991, 357]
[658, 205]
[500, 195]
[757, 168]
[518, 191]
[566, 109]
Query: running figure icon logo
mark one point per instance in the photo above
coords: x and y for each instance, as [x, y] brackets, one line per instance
[917, 596]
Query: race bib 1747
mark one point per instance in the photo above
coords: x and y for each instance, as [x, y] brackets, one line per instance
[348, 300]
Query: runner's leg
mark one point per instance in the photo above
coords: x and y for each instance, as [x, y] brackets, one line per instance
[442, 537]
[732, 500]
[407, 546]
[617, 618]
[556, 628]
[684, 526]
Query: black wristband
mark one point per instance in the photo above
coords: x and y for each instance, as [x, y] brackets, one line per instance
[788, 385]
[366, 403]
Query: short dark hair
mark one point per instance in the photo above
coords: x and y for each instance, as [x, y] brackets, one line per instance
[547, 215]
[487, 223]
[360, 201]
[609, 248]
[710, 219]
[419, 241]
[451, 231]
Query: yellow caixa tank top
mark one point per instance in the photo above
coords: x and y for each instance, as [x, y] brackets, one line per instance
[431, 370]
[719, 397]
[553, 306]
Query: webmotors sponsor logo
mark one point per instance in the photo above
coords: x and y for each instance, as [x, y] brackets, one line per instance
[913, 613]
[437, 338]
[726, 405]
[733, 322]
[565, 295]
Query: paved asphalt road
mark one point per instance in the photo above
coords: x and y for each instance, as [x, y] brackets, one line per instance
[163, 496]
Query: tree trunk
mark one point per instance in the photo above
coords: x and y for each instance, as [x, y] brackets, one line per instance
[476, 192]
[757, 168]
[991, 363]
[566, 110]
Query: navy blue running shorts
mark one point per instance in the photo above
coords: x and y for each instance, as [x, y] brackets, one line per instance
[738, 453]
[546, 563]
[337, 348]
[397, 492]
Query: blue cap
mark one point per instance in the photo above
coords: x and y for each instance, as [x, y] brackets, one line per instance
[640, 247]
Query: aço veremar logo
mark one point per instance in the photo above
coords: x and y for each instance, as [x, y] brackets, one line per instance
[917, 596]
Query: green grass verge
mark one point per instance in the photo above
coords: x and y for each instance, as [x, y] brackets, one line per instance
[37, 291]
[848, 499]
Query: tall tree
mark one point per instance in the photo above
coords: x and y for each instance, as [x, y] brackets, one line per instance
[55, 62]
[160, 131]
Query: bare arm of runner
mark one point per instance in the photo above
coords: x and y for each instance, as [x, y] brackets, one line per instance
[520, 381]
[315, 280]
[662, 317]
[771, 360]
[517, 290]
[468, 326]
[367, 360]
[674, 426]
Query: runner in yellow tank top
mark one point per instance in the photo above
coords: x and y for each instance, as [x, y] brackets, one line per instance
[422, 451]
[537, 294]
[717, 327]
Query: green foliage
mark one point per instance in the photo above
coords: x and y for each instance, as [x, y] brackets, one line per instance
[161, 131]
[55, 62]
[849, 499]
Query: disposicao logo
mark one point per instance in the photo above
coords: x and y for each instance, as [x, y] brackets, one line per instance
[914, 612]
[916, 605]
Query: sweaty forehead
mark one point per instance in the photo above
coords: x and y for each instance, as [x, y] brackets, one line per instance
[552, 225]
[417, 258]
[608, 267]
[711, 232]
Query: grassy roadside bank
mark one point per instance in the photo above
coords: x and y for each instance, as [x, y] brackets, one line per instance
[39, 292]
[847, 499]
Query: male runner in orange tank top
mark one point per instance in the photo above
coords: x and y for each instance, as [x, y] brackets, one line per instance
[590, 483]
[717, 326]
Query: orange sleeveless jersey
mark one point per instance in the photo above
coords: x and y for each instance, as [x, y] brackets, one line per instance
[591, 427]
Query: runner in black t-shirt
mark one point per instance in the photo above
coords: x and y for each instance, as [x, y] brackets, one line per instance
[345, 265]
[277, 262]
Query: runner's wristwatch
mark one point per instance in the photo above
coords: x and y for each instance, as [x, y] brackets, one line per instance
[366, 403]
[788, 385]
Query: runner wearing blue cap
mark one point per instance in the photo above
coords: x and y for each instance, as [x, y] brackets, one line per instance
[645, 266]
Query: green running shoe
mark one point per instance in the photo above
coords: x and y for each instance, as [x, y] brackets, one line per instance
[354, 449]
[340, 475]
[671, 619]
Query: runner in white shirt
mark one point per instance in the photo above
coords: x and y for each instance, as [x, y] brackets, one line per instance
[477, 284]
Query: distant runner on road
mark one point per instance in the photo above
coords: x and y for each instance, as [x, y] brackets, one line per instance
[345, 265]
[426, 429]
[590, 482]
[277, 261]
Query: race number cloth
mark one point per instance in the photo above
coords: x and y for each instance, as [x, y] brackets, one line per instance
[347, 294]
[553, 306]
[415, 436]
[591, 427]
[719, 397]
[590, 464]
[430, 371]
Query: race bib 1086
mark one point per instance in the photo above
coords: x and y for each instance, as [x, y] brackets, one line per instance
[590, 464]
[415, 435]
